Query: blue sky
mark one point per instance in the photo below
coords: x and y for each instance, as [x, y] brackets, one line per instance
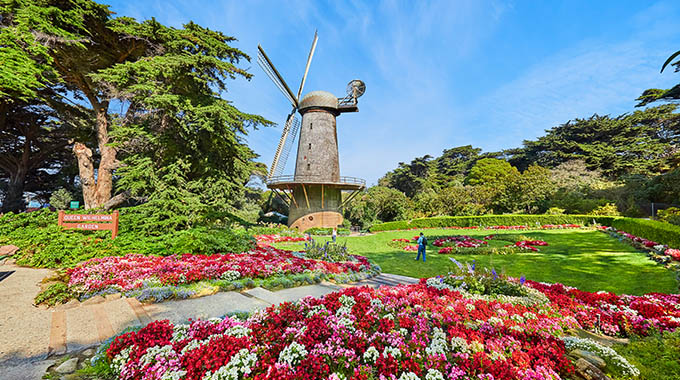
[440, 74]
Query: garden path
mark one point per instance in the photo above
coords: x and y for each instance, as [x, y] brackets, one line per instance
[31, 335]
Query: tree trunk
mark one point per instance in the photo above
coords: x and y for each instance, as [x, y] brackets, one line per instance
[97, 188]
[14, 198]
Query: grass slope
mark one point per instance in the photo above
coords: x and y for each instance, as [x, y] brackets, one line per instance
[586, 259]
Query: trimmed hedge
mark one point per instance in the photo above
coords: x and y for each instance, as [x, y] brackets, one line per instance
[490, 220]
[326, 231]
[660, 232]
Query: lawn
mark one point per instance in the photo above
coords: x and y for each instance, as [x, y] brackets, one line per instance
[586, 259]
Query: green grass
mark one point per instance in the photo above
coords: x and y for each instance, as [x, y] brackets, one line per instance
[586, 259]
[655, 356]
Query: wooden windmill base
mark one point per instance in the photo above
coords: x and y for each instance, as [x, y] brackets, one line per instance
[315, 204]
[322, 219]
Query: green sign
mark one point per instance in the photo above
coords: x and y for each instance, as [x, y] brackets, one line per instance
[74, 204]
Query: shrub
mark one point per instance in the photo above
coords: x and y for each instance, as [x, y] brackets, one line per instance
[489, 220]
[661, 232]
[670, 215]
[555, 211]
[327, 251]
[607, 209]
[61, 199]
[55, 294]
[43, 243]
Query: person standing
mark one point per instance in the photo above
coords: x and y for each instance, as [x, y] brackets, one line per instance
[334, 235]
[422, 243]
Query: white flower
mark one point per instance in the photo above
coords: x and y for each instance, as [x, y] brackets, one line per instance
[470, 307]
[371, 355]
[173, 375]
[230, 275]
[389, 350]
[409, 376]
[438, 344]
[292, 354]
[152, 354]
[179, 332]
[240, 364]
[238, 331]
[433, 374]
[617, 360]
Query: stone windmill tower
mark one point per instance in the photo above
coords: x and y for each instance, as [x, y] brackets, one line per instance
[314, 192]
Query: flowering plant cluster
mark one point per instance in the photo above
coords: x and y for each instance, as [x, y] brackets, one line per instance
[529, 245]
[276, 238]
[461, 241]
[442, 328]
[543, 227]
[658, 252]
[403, 332]
[133, 272]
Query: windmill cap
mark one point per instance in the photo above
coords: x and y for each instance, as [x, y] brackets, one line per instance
[320, 99]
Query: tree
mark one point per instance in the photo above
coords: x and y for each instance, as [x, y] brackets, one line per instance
[457, 161]
[655, 94]
[532, 189]
[410, 178]
[645, 141]
[491, 172]
[165, 83]
[379, 203]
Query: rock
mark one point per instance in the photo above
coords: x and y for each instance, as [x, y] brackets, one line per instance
[586, 371]
[590, 357]
[111, 297]
[8, 250]
[602, 339]
[70, 304]
[94, 300]
[68, 366]
[89, 352]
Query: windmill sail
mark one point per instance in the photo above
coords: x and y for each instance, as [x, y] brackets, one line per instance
[268, 67]
[290, 131]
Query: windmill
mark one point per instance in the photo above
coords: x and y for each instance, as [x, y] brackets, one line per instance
[314, 192]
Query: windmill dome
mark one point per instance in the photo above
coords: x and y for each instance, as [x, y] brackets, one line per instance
[319, 99]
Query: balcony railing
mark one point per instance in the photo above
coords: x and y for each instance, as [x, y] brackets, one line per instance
[314, 179]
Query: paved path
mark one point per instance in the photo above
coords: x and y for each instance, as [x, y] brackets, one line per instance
[30, 334]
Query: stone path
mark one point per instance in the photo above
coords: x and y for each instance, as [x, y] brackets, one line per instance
[31, 335]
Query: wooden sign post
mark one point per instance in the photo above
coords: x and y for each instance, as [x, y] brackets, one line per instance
[97, 222]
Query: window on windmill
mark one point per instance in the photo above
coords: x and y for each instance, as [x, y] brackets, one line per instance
[308, 167]
[310, 145]
[311, 125]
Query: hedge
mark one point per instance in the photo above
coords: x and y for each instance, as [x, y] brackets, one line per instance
[660, 232]
[326, 231]
[490, 220]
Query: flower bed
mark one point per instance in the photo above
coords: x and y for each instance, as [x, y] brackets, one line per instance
[660, 253]
[529, 245]
[275, 238]
[461, 241]
[157, 278]
[422, 331]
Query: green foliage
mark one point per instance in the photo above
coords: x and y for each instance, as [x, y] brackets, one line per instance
[659, 232]
[656, 356]
[44, 244]
[272, 229]
[55, 294]
[491, 172]
[489, 220]
[670, 215]
[608, 209]
[410, 179]
[485, 284]
[637, 142]
[555, 211]
[61, 199]
[378, 203]
[326, 231]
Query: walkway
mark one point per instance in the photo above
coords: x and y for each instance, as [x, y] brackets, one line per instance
[30, 335]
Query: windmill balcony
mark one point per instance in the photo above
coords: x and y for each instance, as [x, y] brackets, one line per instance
[288, 181]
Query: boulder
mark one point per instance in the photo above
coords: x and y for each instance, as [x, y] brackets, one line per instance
[590, 357]
[583, 369]
[68, 366]
[8, 250]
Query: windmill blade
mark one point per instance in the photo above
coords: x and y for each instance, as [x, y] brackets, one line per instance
[309, 61]
[285, 143]
[268, 67]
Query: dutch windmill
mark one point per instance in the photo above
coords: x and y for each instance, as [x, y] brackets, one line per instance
[314, 192]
